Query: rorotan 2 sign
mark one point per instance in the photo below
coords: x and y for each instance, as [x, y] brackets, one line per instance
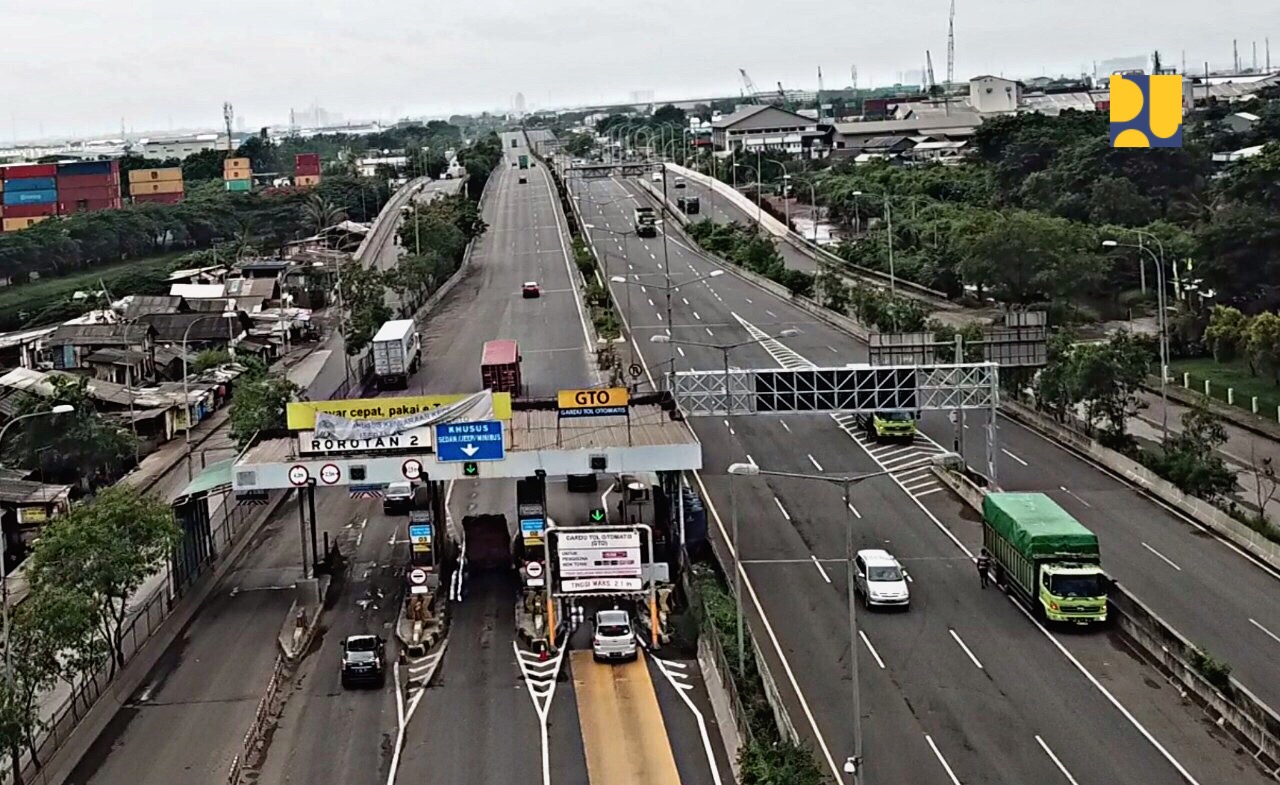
[588, 559]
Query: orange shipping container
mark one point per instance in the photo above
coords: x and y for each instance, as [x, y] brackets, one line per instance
[163, 187]
[306, 180]
[18, 224]
[237, 174]
[155, 175]
[235, 163]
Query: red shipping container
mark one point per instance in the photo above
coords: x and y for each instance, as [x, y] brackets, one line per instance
[88, 181]
[307, 158]
[307, 171]
[100, 192]
[29, 210]
[88, 205]
[158, 198]
[30, 170]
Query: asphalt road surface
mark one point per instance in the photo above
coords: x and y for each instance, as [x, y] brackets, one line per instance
[969, 686]
[1208, 590]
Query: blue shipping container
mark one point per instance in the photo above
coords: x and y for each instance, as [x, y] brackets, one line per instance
[48, 196]
[84, 167]
[31, 184]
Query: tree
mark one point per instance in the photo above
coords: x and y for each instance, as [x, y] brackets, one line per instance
[364, 300]
[103, 550]
[1266, 483]
[1263, 344]
[669, 114]
[1225, 335]
[208, 359]
[1025, 257]
[320, 213]
[1102, 377]
[1189, 458]
[204, 165]
[259, 405]
[79, 446]
[579, 145]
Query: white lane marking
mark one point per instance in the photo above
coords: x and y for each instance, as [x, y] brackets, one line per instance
[972, 658]
[1056, 762]
[651, 305]
[1272, 635]
[540, 680]
[773, 636]
[651, 256]
[1016, 458]
[815, 463]
[818, 564]
[784, 425]
[937, 753]
[931, 490]
[748, 299]
[1146, 734]
[1063, 488]
[645, 291]
[751, 460]
[395, 753]
[660, 316]
[568, 267]
[681, 689]
[686, 300]
[681, 350]
[708, 329]
[778, 502]
[833, 349]
[855, 512]
[871, 649]
[1166, 559]
[771, 313]
[696, 316]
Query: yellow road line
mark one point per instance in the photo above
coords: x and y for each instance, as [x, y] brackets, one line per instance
[623, 733]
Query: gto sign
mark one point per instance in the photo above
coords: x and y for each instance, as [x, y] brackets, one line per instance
[596, 402]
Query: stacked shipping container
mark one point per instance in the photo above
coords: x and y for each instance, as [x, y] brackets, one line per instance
[164, 186]
[88, 185]
[238, 174]
[30, 192]
[306, 169]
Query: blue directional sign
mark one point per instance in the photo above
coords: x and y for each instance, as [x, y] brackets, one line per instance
[470, 441]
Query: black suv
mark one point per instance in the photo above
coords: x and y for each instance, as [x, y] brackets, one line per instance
[364, 661]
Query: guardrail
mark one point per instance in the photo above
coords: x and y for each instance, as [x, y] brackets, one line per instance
[267, 707]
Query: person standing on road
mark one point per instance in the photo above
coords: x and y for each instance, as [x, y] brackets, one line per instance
[984, 565]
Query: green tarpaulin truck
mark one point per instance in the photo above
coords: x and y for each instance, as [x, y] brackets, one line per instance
[1046, 557]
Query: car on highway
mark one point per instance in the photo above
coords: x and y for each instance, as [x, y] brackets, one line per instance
[523, 180]
[888, 425]
[880, 580]
[613, 638]
[397, 498]
[364, 661]
[680, 182]
[657, 177]
[530, 290]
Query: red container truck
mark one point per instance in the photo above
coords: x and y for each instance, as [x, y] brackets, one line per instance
[500, 367]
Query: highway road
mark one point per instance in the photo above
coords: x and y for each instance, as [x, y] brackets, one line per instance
[1204, 587]
[964, 685]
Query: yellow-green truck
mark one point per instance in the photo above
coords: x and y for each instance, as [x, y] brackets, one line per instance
[1044, 556]
[889, 425]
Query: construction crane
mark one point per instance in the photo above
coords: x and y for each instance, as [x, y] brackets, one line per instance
[819, 93]
[749, 86]
[929, 81]
[228, 114]
[782, 94]
[853, 76]
[951, 46]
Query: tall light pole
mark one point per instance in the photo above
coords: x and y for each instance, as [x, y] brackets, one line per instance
[667, 289]
[186, 392]
[62, 408]
[853, 765]
[888, 216]
[1162, 326]
[790, 332]
[786, 184]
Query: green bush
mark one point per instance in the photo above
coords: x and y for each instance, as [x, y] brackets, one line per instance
[1214, 671]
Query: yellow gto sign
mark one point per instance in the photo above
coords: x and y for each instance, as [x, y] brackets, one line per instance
[600, 396]
[302, 414]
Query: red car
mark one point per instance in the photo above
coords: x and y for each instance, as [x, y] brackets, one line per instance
[530, 290]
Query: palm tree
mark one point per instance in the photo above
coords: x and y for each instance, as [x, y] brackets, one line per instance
[322, 213]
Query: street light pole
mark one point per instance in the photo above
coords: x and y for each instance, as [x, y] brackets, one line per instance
[186, 392]
[725, 348]
[1162, 325]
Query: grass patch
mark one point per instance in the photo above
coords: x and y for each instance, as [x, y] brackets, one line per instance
[22, 305]
[1235, 375]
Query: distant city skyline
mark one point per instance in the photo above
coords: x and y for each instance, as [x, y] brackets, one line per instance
[451, 57]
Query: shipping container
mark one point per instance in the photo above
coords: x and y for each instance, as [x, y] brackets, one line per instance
[163, 187]
[48, 196]
[239, 185]
[30, 170]
[155, 175]
[88, 181]
[307, 158]
[237, 174]
[18, 224]
[87, 205]
[307, 169]
[235, 163]
[32, 184]
[158, 198]
[82, 168]
[76, 194]
[29, 210]
[306, 180]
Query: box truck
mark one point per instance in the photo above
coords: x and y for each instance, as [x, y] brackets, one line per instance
[396, 353]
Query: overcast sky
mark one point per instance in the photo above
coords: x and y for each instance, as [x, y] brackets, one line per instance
[77, 67]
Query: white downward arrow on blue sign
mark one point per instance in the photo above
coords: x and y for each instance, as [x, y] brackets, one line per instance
[470, 450]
